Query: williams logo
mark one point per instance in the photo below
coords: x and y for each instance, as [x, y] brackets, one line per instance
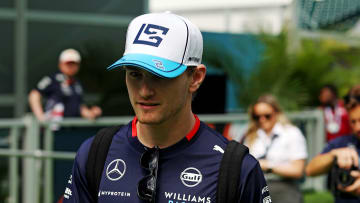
[116, 170]
[191, 177]
[158, 64]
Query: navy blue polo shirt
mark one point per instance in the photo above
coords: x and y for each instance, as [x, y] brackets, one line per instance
[340, 142]
[188, 170]
[57, 88]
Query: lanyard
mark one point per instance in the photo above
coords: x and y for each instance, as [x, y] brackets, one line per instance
[333, 120]
[268, 147]
[333, 117]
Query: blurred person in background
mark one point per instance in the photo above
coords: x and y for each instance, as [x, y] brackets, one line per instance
[280, 148]
[63, 92]
[340, 158]
[335, 115]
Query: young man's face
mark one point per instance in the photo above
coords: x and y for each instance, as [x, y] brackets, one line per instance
[70, 69]
[354, 117]
[156, 100]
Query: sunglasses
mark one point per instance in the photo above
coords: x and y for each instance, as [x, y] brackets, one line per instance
[146, 189]
[266, 116]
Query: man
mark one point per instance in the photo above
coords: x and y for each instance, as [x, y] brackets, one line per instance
[63, 92]
[335, 115]
[343, 152]
[166, 154]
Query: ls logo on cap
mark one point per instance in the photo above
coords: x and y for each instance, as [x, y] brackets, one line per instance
[152, 32]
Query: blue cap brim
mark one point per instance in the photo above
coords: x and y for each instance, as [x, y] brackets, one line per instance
[156, 65]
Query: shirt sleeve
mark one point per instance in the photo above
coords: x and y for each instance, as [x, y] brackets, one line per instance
[333, 144]
[298, 149]
[45, 86]
[77, 188]
[340, 142]
[253, 186]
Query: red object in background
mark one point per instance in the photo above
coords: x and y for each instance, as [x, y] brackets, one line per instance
[226, 133]
[211, 125]
[60, 200]
[340, 117]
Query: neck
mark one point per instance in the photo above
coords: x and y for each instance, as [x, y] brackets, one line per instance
[167, 133]
[268, 132]
[332, 104]
[67, 77]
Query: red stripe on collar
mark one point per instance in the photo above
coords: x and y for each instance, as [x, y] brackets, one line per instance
[194, 129]
[188, 136]
[133, 127]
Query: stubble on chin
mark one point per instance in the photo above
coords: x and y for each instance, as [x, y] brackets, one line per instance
[150, 119]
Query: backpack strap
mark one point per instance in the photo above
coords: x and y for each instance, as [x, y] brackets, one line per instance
[96, 158]
[229, 173]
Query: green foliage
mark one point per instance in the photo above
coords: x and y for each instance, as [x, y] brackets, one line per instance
[273, 75]
[318, 197]
[295, 78]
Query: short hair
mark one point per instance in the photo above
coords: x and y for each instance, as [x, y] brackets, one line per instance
[332, 89]
[190, 70]
[352, 99]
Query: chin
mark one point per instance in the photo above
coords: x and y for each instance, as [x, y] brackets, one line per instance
[149, 120]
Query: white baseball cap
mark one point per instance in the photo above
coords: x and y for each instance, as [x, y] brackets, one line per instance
[70, 55]
[162, 43]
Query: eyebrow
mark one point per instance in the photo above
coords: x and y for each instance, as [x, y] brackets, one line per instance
[135, 68]
[131, 67]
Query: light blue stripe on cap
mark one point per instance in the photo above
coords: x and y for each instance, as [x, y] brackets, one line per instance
[156, 65]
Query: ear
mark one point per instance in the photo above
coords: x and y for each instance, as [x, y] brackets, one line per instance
[198, 77]
[60, 65]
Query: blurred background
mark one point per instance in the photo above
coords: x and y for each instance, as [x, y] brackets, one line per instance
[289, 48]
[304, 43]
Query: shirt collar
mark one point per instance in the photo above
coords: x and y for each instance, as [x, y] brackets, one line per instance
[276, 130]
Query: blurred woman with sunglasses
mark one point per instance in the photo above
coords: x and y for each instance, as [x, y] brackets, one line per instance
[279, 146]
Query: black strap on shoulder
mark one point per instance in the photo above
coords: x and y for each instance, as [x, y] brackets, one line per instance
[96, 158]
[229, 174]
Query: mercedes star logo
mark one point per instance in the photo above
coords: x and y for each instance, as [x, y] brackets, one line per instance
[116, 170]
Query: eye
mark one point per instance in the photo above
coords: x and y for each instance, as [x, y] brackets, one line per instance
[135, 74]
[158, 78]
[353, 122]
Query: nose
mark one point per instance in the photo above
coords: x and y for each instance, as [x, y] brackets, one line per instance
[263, 120]
[147, 89]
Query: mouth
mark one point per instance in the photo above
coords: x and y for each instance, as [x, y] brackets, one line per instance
[148, 105]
